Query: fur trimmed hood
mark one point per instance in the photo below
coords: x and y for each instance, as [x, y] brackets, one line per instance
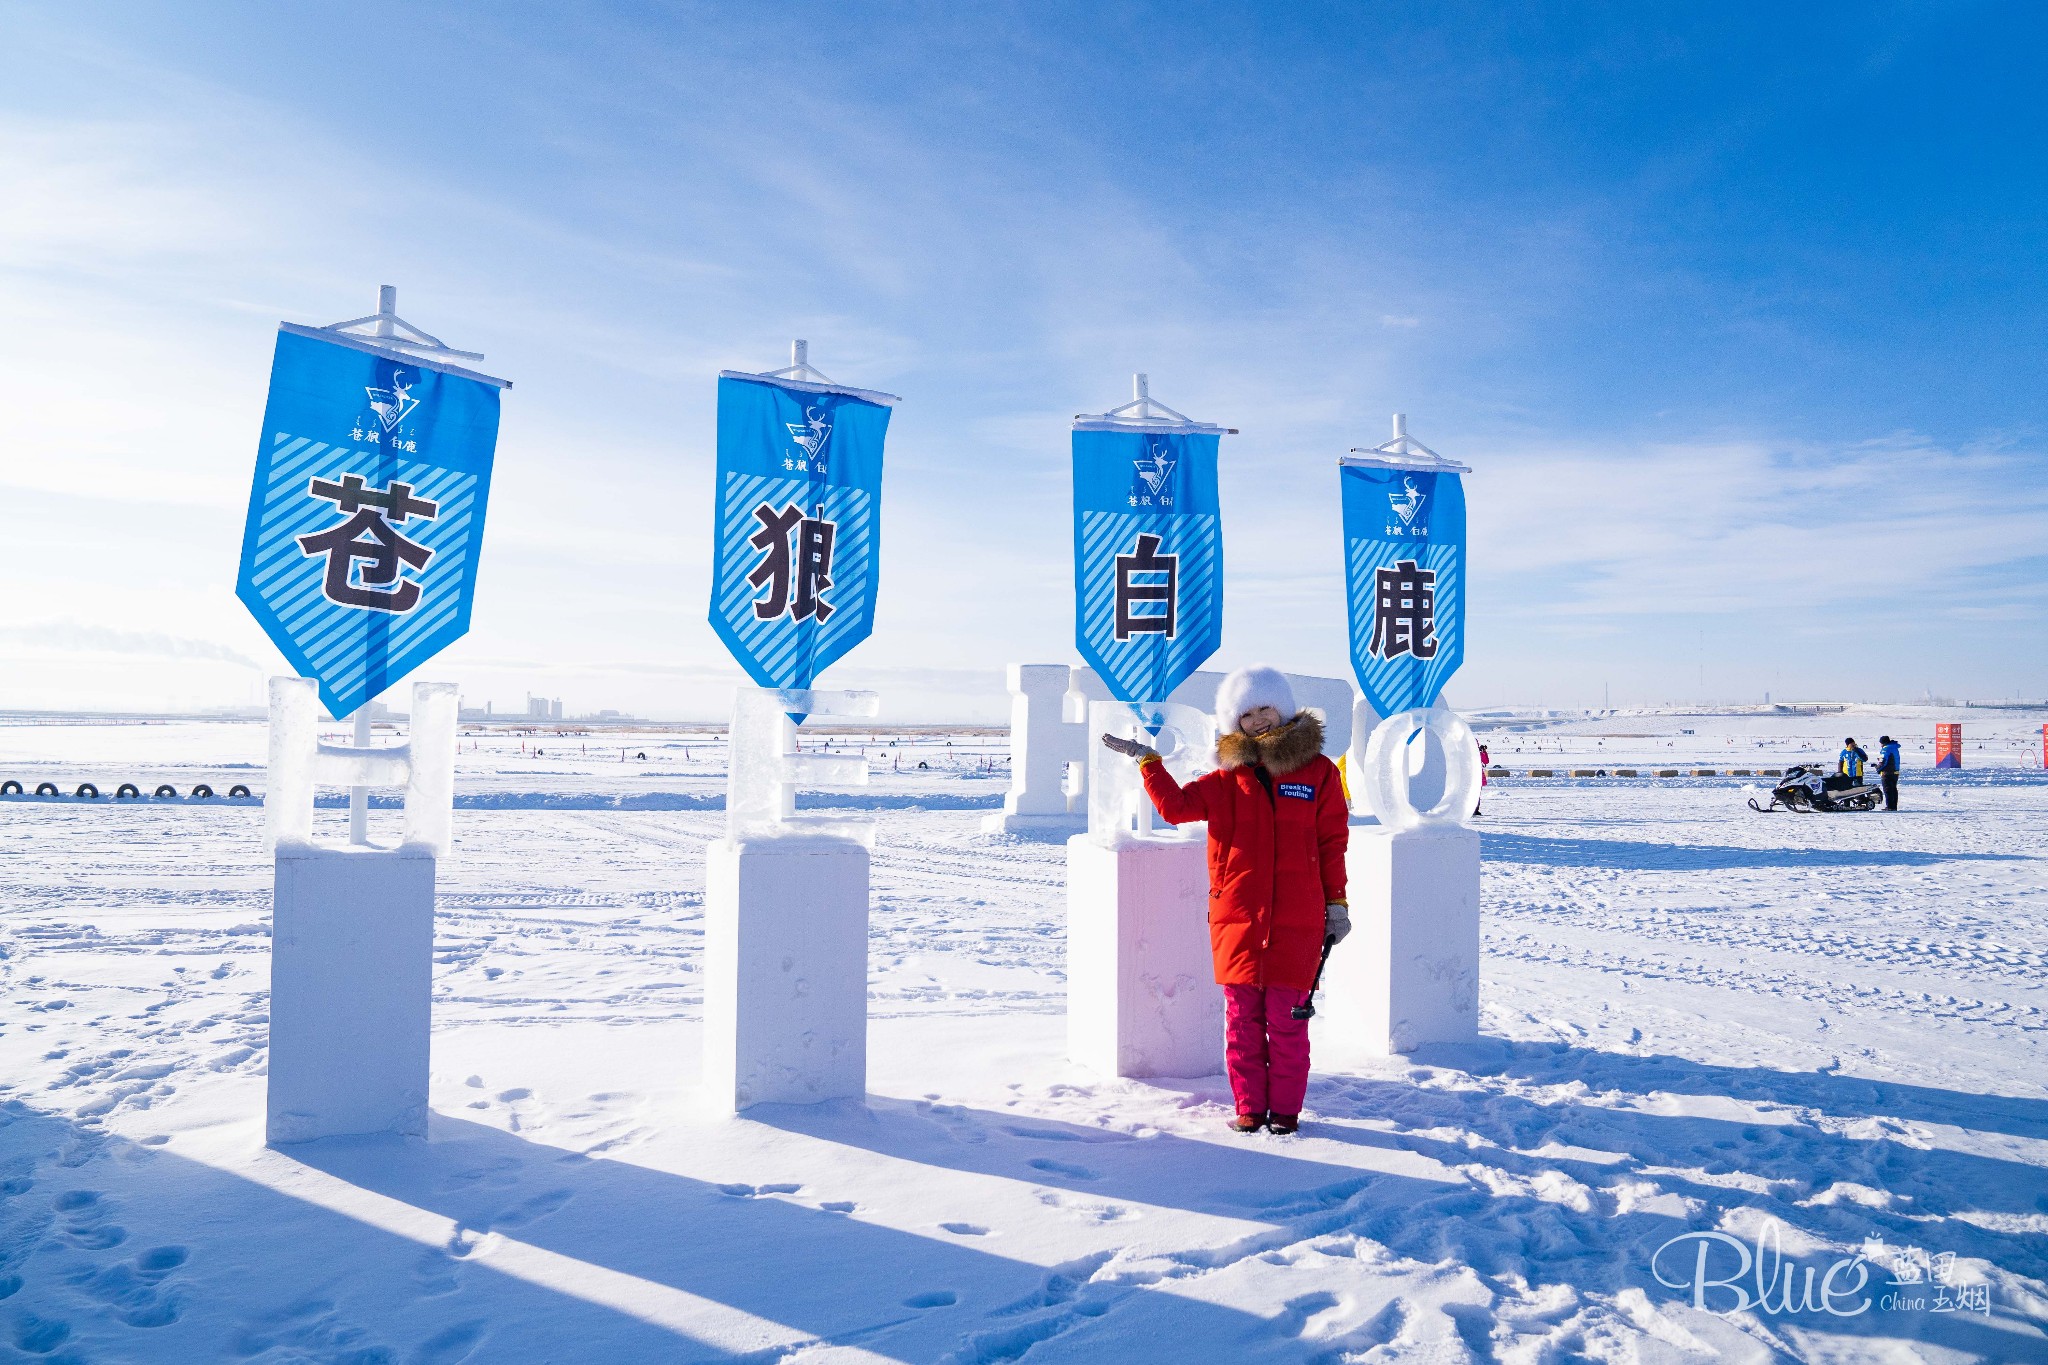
[1282, 749]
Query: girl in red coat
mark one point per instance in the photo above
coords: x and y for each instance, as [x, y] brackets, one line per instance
[1278, 826]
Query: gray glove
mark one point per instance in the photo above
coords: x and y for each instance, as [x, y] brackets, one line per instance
[1336, 922]
[1130, 748]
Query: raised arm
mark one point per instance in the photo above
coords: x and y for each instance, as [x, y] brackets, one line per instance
[1178, 805]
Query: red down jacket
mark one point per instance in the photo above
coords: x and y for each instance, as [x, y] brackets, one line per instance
[1276, 852]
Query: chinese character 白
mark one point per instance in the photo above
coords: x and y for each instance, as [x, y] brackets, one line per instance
[797, 564]
[1161, 575]
[1404, 612]
[369, 536]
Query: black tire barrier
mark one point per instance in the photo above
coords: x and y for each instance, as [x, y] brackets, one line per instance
[128, 791]
[166, 791]
[238, 791]
[87, 791]
[202, 792]
[10, 788]
[641, 755]
[46, 789]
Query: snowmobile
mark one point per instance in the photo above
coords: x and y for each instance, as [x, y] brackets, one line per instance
[1809, 787]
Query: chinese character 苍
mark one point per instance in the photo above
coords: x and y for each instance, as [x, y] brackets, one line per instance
[1161, 575]
[1404, 612]
[369, 536]
[797, 564]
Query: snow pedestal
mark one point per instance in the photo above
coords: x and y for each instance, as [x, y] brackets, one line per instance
[351, 980]
[352, 927]
[1142, 998]
[1408, 974]
[786, 915]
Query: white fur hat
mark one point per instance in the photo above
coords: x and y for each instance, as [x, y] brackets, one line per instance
[1250, 688]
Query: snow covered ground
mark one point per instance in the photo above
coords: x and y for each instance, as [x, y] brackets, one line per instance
[1832, 1030]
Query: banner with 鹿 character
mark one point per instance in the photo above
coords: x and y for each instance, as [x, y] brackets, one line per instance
[796, 522]
[1148, 548]
[1404, 559]
[366, 514]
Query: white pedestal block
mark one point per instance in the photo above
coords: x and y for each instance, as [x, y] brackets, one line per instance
[785, 971]
[351, 985]
[1409, 972]
[1142, 998]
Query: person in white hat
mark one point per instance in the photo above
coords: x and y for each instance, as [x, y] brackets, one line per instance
[1278, 827]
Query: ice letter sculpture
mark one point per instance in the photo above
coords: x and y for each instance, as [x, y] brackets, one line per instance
[352, 933]
[1409, 973]
[1142, 998]
[1051, 746]
[786, 914]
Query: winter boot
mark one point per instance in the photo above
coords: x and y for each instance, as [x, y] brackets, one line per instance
[1280, 1125]
[1248, 1123]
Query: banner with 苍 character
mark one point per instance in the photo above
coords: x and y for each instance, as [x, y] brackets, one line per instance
[797, 523]
[1148, 551]
[366, 515]
[1404, 558]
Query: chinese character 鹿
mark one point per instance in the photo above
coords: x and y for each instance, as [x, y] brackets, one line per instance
[1404, 612]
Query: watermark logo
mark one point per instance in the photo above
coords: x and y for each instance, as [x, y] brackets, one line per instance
[1720, 1273]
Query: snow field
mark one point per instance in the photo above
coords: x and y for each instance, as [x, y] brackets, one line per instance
[1695, 1018]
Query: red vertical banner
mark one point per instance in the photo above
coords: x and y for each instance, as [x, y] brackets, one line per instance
[1948, 744]
[2044, 746]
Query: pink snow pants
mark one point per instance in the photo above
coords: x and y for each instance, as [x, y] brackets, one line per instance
[1265, 1048]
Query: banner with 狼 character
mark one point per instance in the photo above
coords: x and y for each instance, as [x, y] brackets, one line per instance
[1404, 570]
[366, 514]
[1148, 547]
[797, 520]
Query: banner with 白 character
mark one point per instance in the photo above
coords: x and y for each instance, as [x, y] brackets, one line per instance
[1404, 571]
[797, 521]
[366, 514]
[1148, 547]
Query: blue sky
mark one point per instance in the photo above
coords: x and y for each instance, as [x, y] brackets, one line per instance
[1738, 312]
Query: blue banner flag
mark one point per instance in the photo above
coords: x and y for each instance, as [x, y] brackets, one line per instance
[366, 515]
[1404, 560]
[1148, 557]
[798, 523]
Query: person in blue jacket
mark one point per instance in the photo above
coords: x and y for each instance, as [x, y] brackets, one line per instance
[1850, 763]
[1888, 770]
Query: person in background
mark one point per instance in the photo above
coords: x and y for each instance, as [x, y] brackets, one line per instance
[1851, 760]
[1888, 770]
[1278, 827]
[1484, 760]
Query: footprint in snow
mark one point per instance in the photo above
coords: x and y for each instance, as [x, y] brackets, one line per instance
[450, 1344]
[965, 1229]
[40, 1336]
[1051, 1167]
[739, 1191]
[937, 1298]
[540, 1206]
